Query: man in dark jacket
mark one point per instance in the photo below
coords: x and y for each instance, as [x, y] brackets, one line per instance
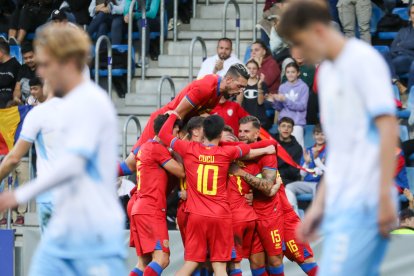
[288, 142]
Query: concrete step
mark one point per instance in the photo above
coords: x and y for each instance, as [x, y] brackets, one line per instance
[159, 72]
[216, 11]
[198, 24]
[211, 35]
[178, 61]
[183, 47]
[141, 100]
[151, 85]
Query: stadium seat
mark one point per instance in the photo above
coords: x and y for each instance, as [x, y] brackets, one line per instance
[30, 36]
[153, 35]
[404, 133]
[304, 197]
[118, 71]
[247, 54]
[308, 138]
[401, 12]
[377, 14]
[16, 53]
[387, 35]
[403, 114]
[382, 49]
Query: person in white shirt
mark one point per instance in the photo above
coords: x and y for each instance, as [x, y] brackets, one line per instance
[356, 200]
[85, 235]
[221, 62]
[40, 128]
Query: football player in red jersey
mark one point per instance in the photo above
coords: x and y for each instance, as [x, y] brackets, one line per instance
[148, 215]
[197, 98]
[209, 228]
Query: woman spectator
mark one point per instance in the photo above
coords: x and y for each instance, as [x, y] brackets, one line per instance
[107, 15]
[267, 65]
[253, 97]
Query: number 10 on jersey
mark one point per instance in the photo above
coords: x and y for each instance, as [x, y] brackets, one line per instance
[206, 185]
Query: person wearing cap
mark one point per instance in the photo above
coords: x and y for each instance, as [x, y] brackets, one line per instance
[406, 226]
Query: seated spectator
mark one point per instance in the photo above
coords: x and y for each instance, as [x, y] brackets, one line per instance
[401, 56]
[221, 62]
[107, 16]
[313, 158]
[153, 24]
[253, 97]
[231, 112]
[356, 13]
[59, 17]
[271, 10]
[406, 225]
[79, 10]
[267, 65]
[401, 180]
[285, 138]
[26, 73]
[28, 16]
[36, 92]
[9, 69]
[292, 100]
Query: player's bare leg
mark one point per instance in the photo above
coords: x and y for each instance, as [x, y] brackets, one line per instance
[159, 261]
[187, 268]
[257, 264]
[219, 268]
[143, 261]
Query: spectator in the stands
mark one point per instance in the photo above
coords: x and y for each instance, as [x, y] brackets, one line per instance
[26, 73]
[220, 62]
[80, 10]
[29, 15]
[9, 69]
[292, 100]
[285, 138]
[353, 12]
[406, 226]
[59, 16]
[401, 180]
[231, 112]
[253, 97]
[107, 16]
[267, 65]
[314, 158]
[271, 11]
[153, 24]
[401, 56]
[36, 92]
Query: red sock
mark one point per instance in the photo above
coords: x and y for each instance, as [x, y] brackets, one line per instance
[153, 269]
[313, 271]
[236, 272]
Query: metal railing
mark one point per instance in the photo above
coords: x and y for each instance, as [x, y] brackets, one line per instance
[31, 175]
[195, 7]
[162, 26]
[172, 88]
[254, 20]
[125, 136]
[109, 61]
[236, 6]
[203, 46]
[9, 211]
[175, 20]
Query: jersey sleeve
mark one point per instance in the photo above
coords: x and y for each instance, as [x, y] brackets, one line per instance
[202, 90]
[375, 88]
[162, 155]
[30, 128]
[268, 162]
[238, 151]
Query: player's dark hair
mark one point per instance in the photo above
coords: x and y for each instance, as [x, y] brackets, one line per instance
[238, 70]
[213, 127]
[4, 47]
[27, 47]
[228, 128]
[36, 81]
[226, 39]
[293, 64]
[250, 119]
[263, 45]
[252, 61]
[160, 121]
[300, 14]
[287, 120]
[194, 123]
[317, 128]
[406, 214]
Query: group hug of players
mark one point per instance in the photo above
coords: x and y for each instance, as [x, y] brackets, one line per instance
[219, 222]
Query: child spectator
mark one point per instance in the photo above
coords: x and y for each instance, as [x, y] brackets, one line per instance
[253, 97]
[313, 158]
[292, 100]
[36, 92]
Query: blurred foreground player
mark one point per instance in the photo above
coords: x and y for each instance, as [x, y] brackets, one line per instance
[84, 173]
[356, 199]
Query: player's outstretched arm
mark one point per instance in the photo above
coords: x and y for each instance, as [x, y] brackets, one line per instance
[170, 140]
[11, 161]
[184, 107]
[265, 184]
[254, 153]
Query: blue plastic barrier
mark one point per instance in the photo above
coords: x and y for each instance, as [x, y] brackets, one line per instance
[6, 252]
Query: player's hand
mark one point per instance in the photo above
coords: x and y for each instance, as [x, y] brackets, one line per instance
[7, 200]
[235, 170]
[126, 18]
[275, 188]
[219, 65]
[249, 197]
[387, 216]
[270, 149]
[408, 194]
[183, 195]
[307, 230]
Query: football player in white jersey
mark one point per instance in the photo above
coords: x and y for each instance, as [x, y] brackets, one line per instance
[356, 202]
[85, 234]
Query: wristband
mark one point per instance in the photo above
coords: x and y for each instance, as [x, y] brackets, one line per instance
[123, 169]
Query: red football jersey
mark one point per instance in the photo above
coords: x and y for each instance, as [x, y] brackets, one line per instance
[152, 179]
[237, 188]
[265, 206]
[203, 95]
[231, 112]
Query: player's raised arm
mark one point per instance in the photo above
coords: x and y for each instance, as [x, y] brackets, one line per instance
[170, 140]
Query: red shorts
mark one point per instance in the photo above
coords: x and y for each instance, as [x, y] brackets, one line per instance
[246, 240]
[182, 219]
[294, 251]
[150, 233]
[208, 235]
[271, 235]
[131, 225]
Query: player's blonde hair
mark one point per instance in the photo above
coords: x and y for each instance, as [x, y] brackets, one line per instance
[64, 42]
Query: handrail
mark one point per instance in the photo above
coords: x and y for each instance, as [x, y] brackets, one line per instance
[172, 88]
[203, 46]
[175, 20]
[162, 26]
[254, 20]
[9, 211]
[29, 205]
[129, 61]
[124, 133]
[109, 61]
[236, 6]
[143, 6]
